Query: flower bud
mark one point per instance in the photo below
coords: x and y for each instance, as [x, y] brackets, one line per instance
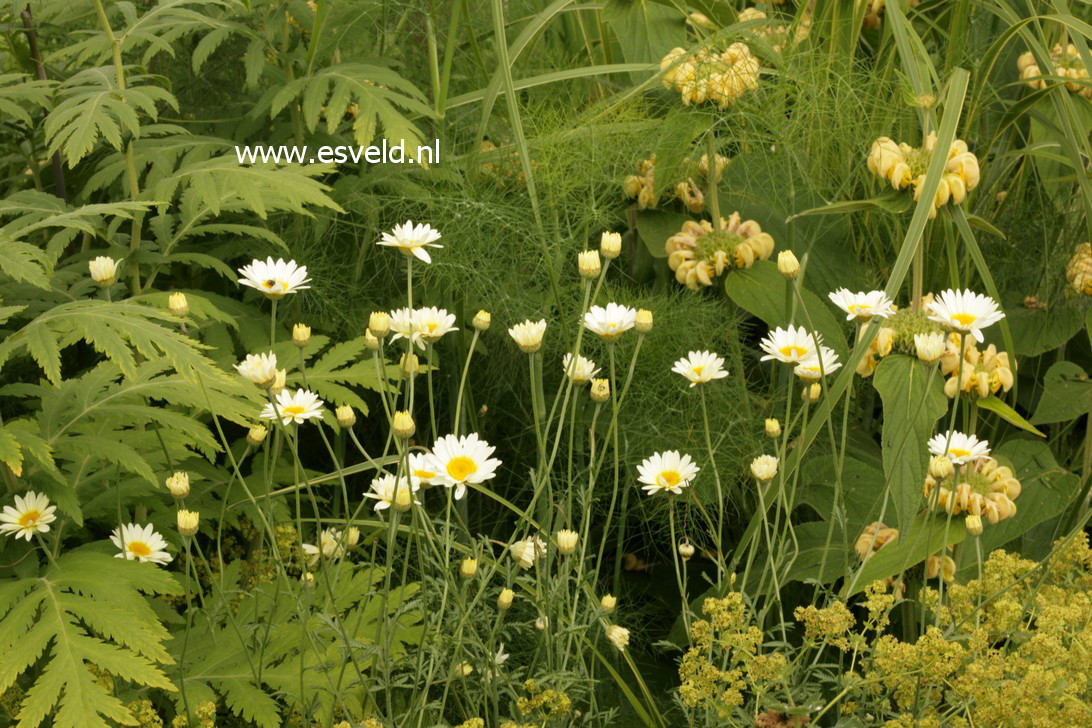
[566, 541]
[587, 262]
[346, 417]
[505, 599]
[610, 245]
[686, 550]
[468, 567]
[410, 366]
[256, 435]
[179, 484]
[482, 319]
[188, 522]
[177, 304]
[940, 467]
[352, 537]
[370, 341]
[773, 428]
[644, 321]
[811, 393]
[463, 669]
[618, 636]
[542, 622]
[301, 335]
[764, 468]
[787, 265]
[308, 580]
[600, 390]
[379, 324]
[404, 426]
[403, 499]
[974, 525]
[929, 347]
[279, 381]
[103, 270]
[608, 603]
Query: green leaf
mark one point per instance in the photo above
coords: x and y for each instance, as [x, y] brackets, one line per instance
[913, 401]
[924, 536]
[998, 406]
[892, 202]
[656, 226]
[1037, 331]
[24, 262]
[1067, 394]
[645, 30]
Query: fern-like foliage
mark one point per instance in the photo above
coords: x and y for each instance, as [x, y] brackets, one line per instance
[19, 95]
[88, 610]
[342, 366]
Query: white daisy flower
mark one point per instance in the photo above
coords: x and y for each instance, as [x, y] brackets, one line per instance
[700, 367]
[275, 279]
[527, 551]
[862, 306]
[422, 471]
[959, 448]
[462, 460]
[330, 546]
[412, 239]
[528, 334]
[610, 322]
[430, 324]
[297, 407]
[141, 543]
[403, 325]
[815, 366]
[965, 311]
[668, 471]
[790, 346]
[385, 490]
[260, 369]
[580, 371]
[764, 467]
[32, 514]
[103, 270]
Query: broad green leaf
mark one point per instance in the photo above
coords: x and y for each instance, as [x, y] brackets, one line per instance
[924, 536]
[1037, 331]
[1067, 394]
[999, 407]
[656, 226]
[645, 30]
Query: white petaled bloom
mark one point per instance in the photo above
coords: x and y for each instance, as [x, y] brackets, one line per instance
[260, 369]
[141, 543]
[959, 448]
[329, 546]
[610, 322]
[527, 551]
[700, 367]
[385, 490]
[790, 346]
[459, 461]
[404, 325]
[297, 407]
[764, 467]
[965, 311]
[422, 471]
[103, 270]
[501, 657]
[930, 347]
[412, 239]
[862, 306]
[618, 636]
[276, 279]
[528, 335]
[580, 371]
[667, 471]
[814, 367]
[430, 324]
[32, 514]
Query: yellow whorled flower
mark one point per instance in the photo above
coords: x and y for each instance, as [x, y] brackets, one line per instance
[983, 372]
[707, 75]
[875, 536]
[981, 488]
[1067, 64]
[698, 253]
[1079, 269]
[688, 190]
[878, 349]
[777, 34]
[902, 166]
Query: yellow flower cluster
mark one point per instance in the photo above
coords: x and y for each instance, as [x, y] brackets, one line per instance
[546, 703]
[983, 488]
[706, 75]
[827, 626]
[642, 185]
[778, 35]
[1079, 269]
[983, 372]
[903, 166]
[1067, 64]
[878, 349]
[698, 253]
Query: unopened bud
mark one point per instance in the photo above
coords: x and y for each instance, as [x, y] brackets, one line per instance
[179, 484]
[177, 304]
[505, 599]
[811, 393]
[787, 265]
[610, 245]
[587, 262]
[644, 321]
[566, 541]
[773, 428]
[346, 417]
[404, 426]
[370, 341]
[686, 550]
[379, 324]
[256, 435]
[600, 390]
[467, 568]
[482, 320]
[974, 524]
[940, 467]
[608, 603]
[188, 522]
[301, 335]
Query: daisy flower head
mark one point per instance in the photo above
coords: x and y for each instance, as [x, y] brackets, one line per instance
[276, 279]
[667, 471]
[141, 543]
[103, 270]
[412, 239]
[462, 460]
[580, 371]
[404, 325]
[298, 407]
[527, 551]
[862, 306]
[825, 361]
[965, 311]
[32, 514]
[528, 335]
[700, 367]
[764, 467]
[430, 324]
[387, 490]
[790, 346]
[958, 448]
[422, 471]
[610, 322]
[259, 369]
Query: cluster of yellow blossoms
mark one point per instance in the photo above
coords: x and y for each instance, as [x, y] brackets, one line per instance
[983, 372]
[777, 34]
[1067, 64]
[710, 76]
[698, 253]
[982, 488]
[903, 166]
[642, 185]
[1079, 269]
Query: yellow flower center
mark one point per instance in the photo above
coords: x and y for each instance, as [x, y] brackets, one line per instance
[859, 308]
[431, 326]
[462, 467]
[792, 351]
[271, 284]
[668, 478]
[965, 319]
[698, 370]
[958, 452]
[139, 549]
[293, 409]
[29, 518]
[424, 474]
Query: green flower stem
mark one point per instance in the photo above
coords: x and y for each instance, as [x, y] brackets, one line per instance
[719, 535]
[678, 568]
[457, 426]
